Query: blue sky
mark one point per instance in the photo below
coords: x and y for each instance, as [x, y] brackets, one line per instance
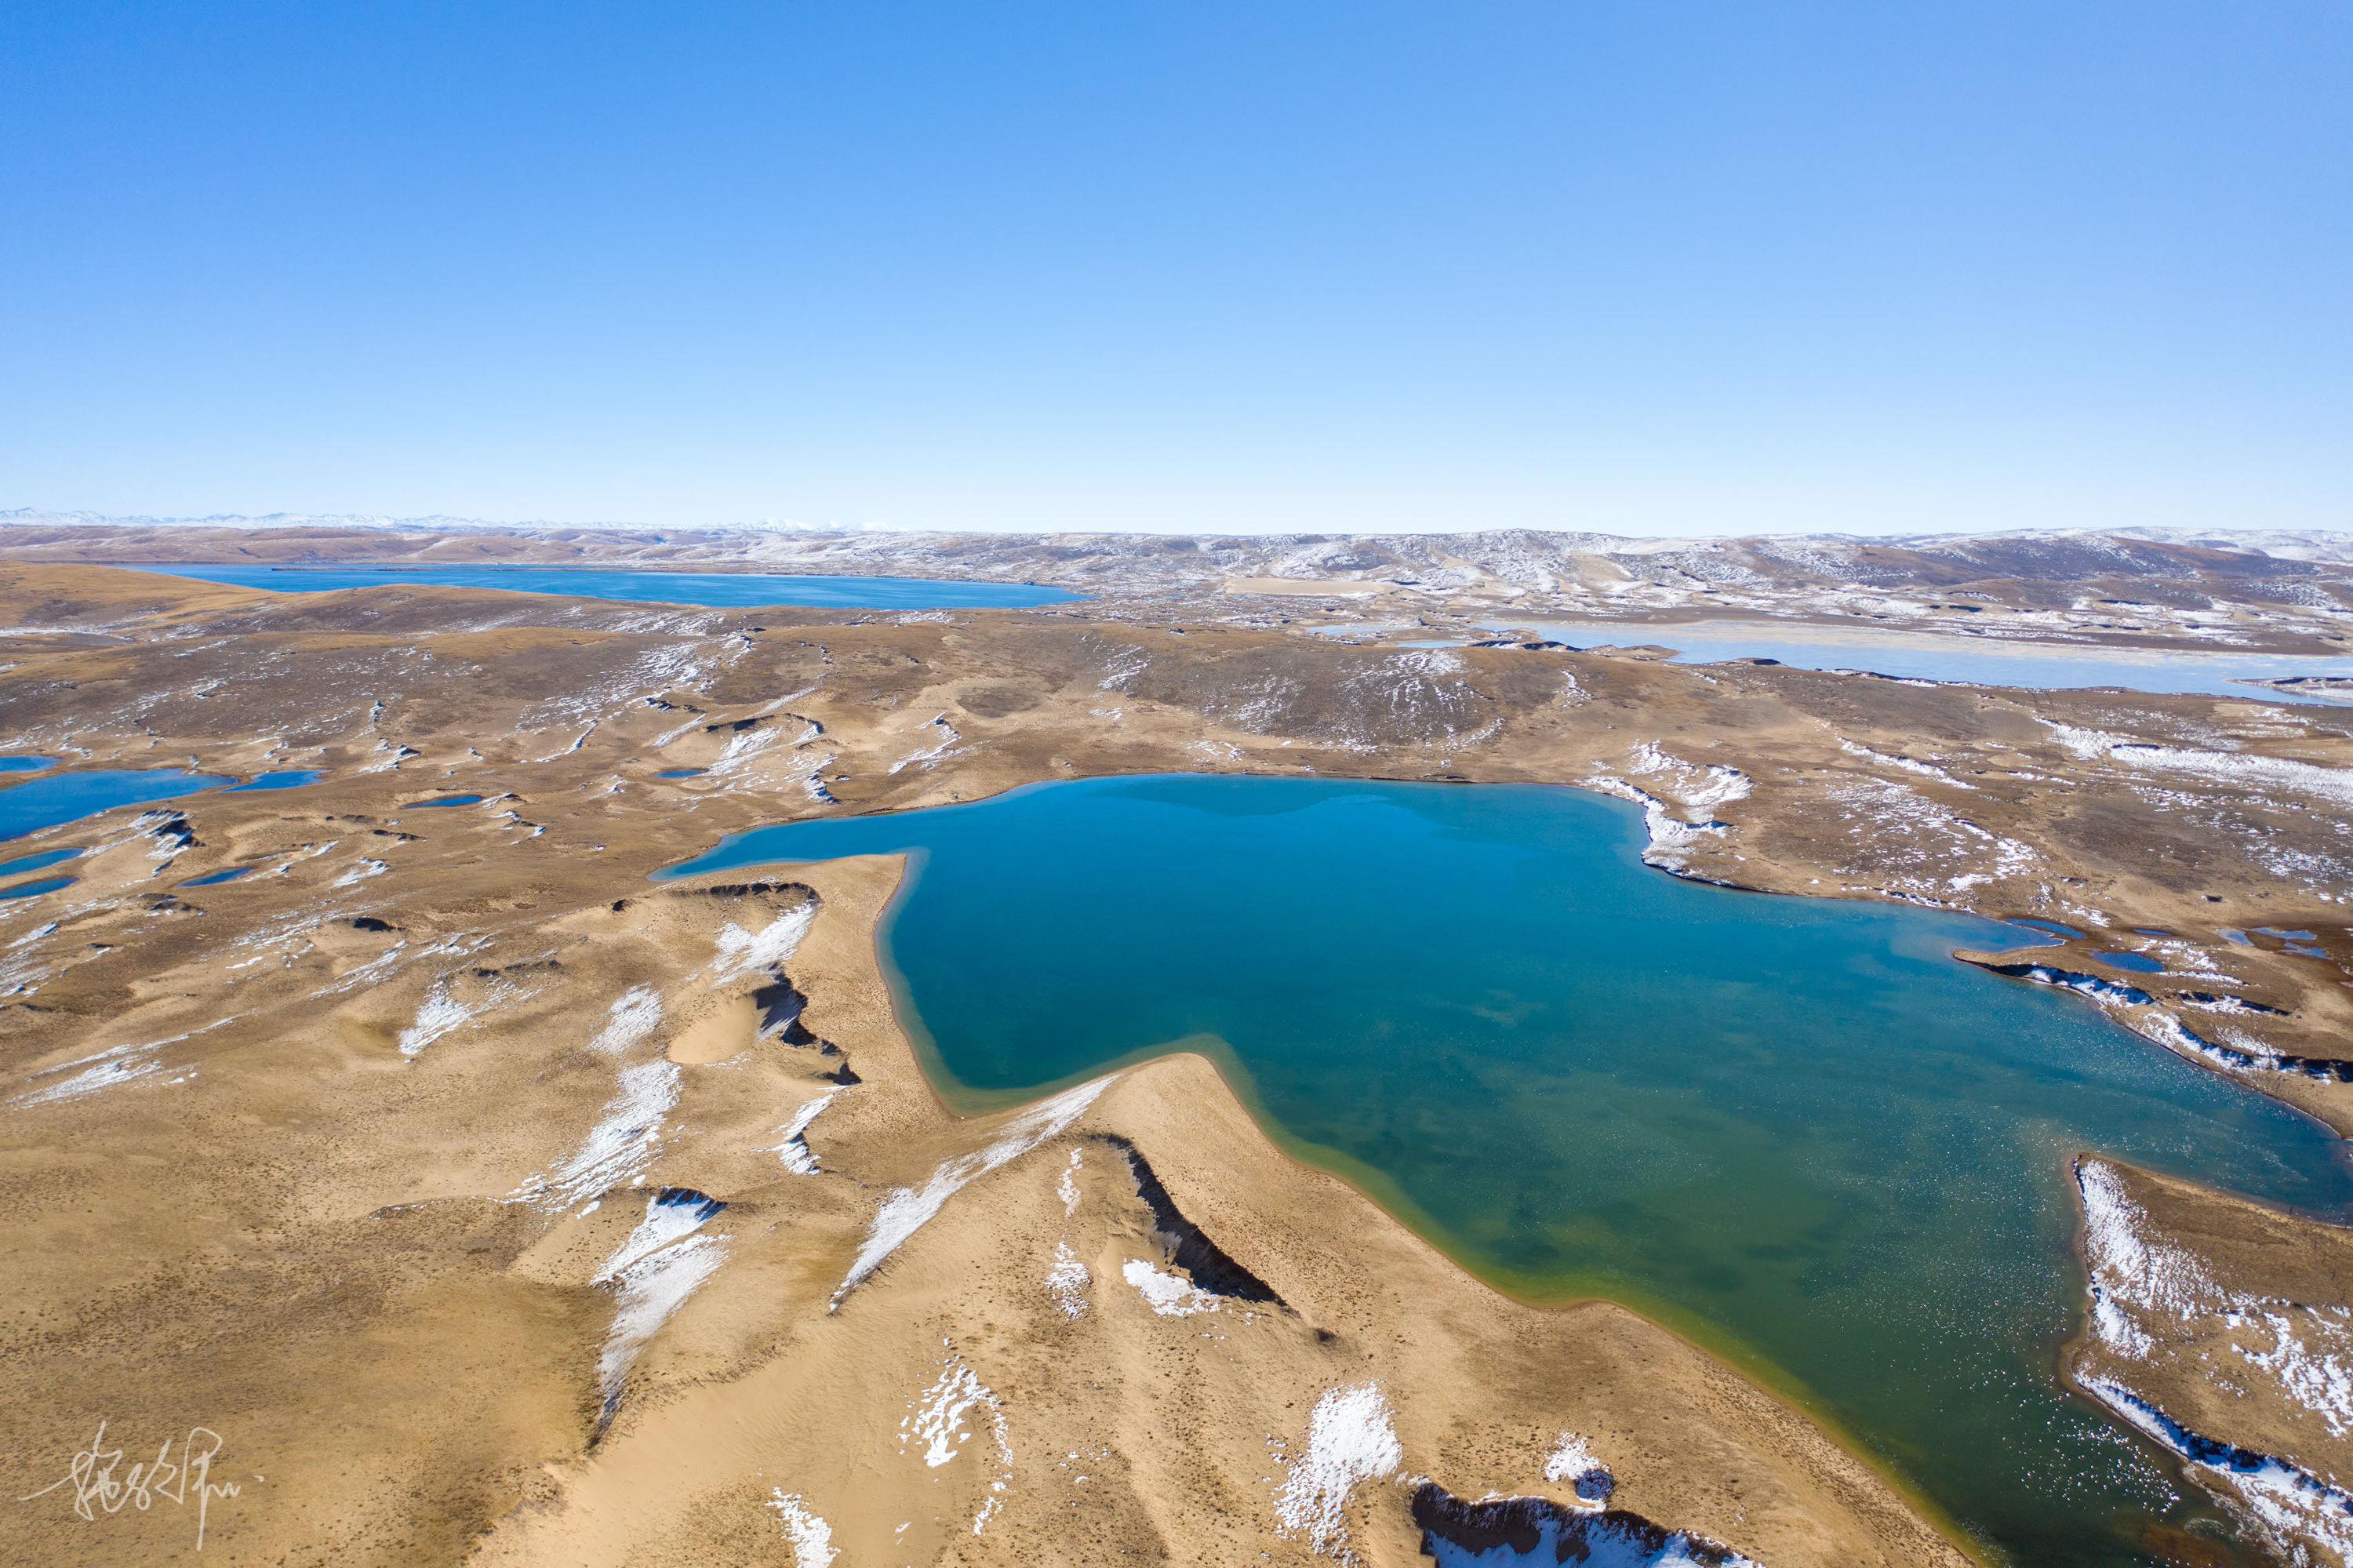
[1648, 267]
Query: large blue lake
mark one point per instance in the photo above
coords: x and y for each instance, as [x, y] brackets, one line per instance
[710, 588]
[1794, 1129]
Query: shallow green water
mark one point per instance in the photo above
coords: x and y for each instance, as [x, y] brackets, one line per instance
[1792, 1127]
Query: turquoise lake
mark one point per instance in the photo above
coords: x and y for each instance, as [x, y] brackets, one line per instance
[1794, 1129]
[742, 589]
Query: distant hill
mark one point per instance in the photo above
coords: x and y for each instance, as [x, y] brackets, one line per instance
[2180, 569]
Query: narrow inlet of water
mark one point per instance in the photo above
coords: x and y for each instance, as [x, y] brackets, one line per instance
[1793, 1128]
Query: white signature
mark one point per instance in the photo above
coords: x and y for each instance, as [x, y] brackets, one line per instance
[97, 1488]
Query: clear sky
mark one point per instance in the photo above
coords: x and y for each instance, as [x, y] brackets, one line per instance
[1647, 265]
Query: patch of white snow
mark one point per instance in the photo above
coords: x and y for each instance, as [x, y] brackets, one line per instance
[743, 952]
[1068, 1280]
[1350, 1439]
[792, 1147]
[1167, 1294]
[1572, 1461]
[809, 1536]
[906, 1209]
[662, 1263]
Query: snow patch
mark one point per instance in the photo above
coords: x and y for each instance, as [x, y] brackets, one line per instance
[742, 748]
[1670, 838]
[809, 1536]
[1350, 1439]
[1909, 765]
[622, 1143]
[1068, 1280]
[793, 1146]
[1909, 845]
[938, 1414]
[932, 753]
[662, 1263]
[1125, 664]
[2177, 1036]
[367, 974]
[1168, 1295]
[743, 952]
[2242, 770]
[629, 1021]
[2287, 1505]
[1698, 788]
[436, 1015]
[936, 1419]
[907, 1209]
[1572, 1461]
[110, 1068]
